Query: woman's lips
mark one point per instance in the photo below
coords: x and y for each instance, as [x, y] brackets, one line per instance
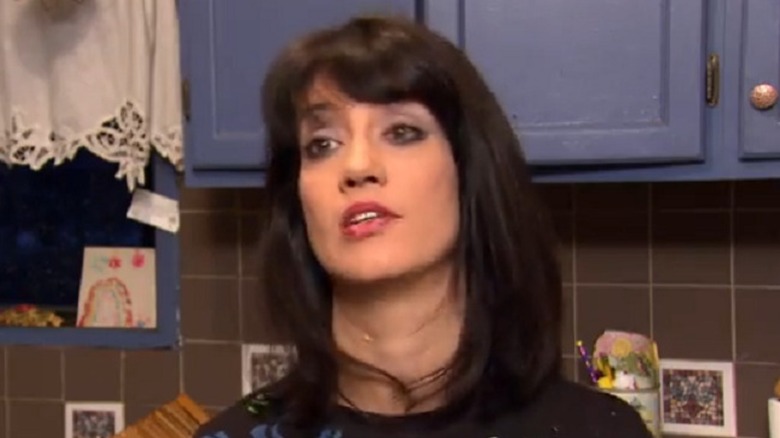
[365, 219]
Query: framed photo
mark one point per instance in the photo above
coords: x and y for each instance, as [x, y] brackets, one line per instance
[262, 364]
[93, 420]
[697, 398]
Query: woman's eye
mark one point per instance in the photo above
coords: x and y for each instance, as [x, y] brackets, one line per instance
[405, 134]
[319, 147]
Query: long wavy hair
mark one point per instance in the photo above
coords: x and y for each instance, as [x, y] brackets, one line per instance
[510, 343]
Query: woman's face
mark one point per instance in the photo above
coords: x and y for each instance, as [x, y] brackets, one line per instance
[378, 187]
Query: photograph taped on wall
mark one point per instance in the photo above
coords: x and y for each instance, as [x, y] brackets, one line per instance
[262, 364]
[698, 398]
[93, 420]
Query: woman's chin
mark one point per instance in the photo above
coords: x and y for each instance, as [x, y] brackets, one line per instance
[370, 275]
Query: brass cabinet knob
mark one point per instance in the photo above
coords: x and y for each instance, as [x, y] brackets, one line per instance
[763, 96]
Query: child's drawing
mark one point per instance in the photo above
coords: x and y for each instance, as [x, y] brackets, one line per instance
[118, 288]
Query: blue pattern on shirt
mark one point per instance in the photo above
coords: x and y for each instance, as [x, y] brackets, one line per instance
[266, 431]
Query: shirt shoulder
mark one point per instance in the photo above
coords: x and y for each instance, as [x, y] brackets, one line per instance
[569, 410]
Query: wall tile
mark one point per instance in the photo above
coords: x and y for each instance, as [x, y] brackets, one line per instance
[250, 244]
[693, 323]
[564, 229]
[569, 368]
[134, 412]
[252, 199]
[209, 242]
[212, 373]
[757, 248]
[567, 328]
[3, 421]
[92, 374]
[209, 308]
[758, 325]
[754, 387]
[151, 377]
[691, 196]
[208, 199]
[34, 372]
[557, 197]
[612, 197]
[30, 419]
[691, 248]
[602, 308]
[762, 194]
[257, 327]
[612, 247]
[3, 356]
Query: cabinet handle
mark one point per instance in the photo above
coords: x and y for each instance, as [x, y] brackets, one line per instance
[713, 80]
[763, 96]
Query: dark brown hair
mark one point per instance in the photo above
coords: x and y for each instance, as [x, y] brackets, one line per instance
[510, 346]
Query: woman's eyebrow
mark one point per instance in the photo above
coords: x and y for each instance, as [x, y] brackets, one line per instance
[317, 114]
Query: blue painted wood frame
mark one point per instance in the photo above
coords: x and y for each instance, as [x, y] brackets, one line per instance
[167, 332]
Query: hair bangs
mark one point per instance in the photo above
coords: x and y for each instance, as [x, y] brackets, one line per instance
[371, 64]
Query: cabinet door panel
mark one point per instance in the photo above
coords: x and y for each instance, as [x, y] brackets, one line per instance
[227, 47]
[760, 129]
[596, 82]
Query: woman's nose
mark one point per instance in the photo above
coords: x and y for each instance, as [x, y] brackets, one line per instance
[363, 165]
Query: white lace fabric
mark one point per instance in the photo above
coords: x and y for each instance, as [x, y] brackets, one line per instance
[100, 75]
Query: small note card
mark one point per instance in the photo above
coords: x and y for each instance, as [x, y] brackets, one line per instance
[155, 210]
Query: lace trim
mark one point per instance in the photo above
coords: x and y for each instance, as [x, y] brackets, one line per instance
[122, 139]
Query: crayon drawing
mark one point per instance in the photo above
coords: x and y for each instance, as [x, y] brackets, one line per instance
[118, 288]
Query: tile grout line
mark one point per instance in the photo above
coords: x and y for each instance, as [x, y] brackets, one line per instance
[732, 295]
[240, 301]
[574, 287]
[62, 377]
[7, 407]
[679, 285]
[122, 356]
[650, 272]
[732, 270]
[240, 286]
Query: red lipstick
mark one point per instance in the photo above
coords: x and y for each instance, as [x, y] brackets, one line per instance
[365, 219]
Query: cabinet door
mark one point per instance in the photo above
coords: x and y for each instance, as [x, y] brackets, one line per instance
[227, 47]
[760, 129]
[590, 82]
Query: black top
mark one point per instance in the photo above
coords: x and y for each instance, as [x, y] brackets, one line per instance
[562, 410]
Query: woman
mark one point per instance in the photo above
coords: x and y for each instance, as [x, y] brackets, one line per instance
[406, 256]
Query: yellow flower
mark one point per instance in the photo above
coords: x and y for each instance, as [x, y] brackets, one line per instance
[621, 348]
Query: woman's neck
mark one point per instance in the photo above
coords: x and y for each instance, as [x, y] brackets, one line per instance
[408, 329]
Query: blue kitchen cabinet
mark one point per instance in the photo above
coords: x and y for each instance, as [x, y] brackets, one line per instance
[593, 82]
[742, 141]
[603, 90]
[227, 47]
[759, 72]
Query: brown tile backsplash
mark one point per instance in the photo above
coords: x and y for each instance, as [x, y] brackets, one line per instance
[693, 322]
[151, 377]
[34, 418]
[757, 248]
[199, 298]
[34, 372]
[696, 265]
[85, 367]
[691, 196]
[612, 247]
[758, 325]
[691, 248]
[204, 368]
